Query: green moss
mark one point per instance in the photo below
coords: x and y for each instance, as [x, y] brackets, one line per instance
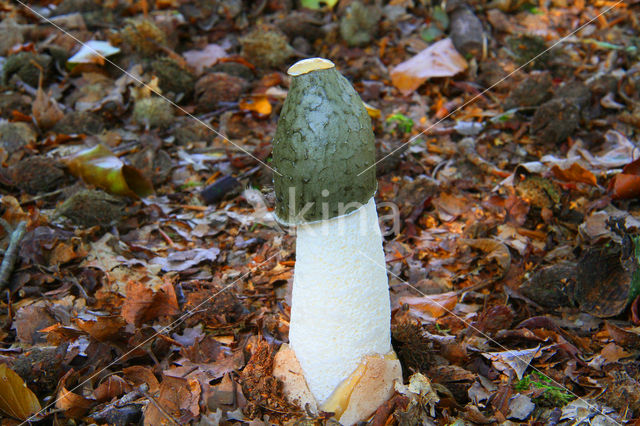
[553, 396]
[321, 149]
[22, 65]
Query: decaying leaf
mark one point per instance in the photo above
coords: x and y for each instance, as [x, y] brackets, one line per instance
[71, 403]
[440, 59]
[495, 250]
[183, 260]
[517, 360]
[178, 398]
[16, 399]
[200, 59]
[100, 167]
[431, 306]
[138, 374]
[45, 110]
[111, 387]
[143, 304]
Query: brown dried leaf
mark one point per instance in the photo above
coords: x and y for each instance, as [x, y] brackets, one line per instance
[30, 320]
[16, 399]
[112, 387]
[440, 59]
[102, 328]
[431, 306]
[45, 110]
[72, 404]
[575, 173]
[142, 304]
[138, 374]
[179, 398]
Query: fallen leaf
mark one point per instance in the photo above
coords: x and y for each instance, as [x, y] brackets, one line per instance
[30, 320]
[45, 110]
[178, 397]
[111, 387]
[258, 104]
[138, 374]
[520, 407]
[440, 59]
[101, 328]
[575, 173]
[626, 185]
[93, 52]
[318, 4]
[200, 59]
[142, 304]
[100, 167]
[16, 399]
[517, 360]
[72, 404]
[431, 306]
[495, 250]
[626, 338]
[183, 260]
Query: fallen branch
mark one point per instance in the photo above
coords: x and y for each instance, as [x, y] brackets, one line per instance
[11, 253]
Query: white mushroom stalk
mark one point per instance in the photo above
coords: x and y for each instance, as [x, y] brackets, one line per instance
[340, 304]
[340, 357]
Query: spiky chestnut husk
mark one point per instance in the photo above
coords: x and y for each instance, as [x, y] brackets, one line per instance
[323, 149]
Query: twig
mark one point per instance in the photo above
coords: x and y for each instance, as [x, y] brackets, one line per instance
[11, 254]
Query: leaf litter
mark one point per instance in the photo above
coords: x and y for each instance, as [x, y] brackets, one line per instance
[152, 283]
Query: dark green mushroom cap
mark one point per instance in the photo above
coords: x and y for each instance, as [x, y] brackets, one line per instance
[323, 149]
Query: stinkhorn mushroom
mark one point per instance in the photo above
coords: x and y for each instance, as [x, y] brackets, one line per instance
[339, 358]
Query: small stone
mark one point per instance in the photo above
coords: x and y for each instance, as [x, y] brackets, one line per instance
[466, 33]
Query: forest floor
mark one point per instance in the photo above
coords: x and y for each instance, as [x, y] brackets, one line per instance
[144, 278]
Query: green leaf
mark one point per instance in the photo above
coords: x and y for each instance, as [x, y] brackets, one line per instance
[318, 4]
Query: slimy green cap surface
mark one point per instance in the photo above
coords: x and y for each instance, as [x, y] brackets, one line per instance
[323, 141]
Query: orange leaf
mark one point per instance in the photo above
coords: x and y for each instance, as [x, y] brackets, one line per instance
[575, 173]
[16, 399]
[143, 304]
[258, 104]
[72, 404]
[624, 186]
[431, 306]
[112, 387]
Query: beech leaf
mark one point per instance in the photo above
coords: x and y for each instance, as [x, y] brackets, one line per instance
[440, 59]
[93, 52]
[16, 399]
[100, 167]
